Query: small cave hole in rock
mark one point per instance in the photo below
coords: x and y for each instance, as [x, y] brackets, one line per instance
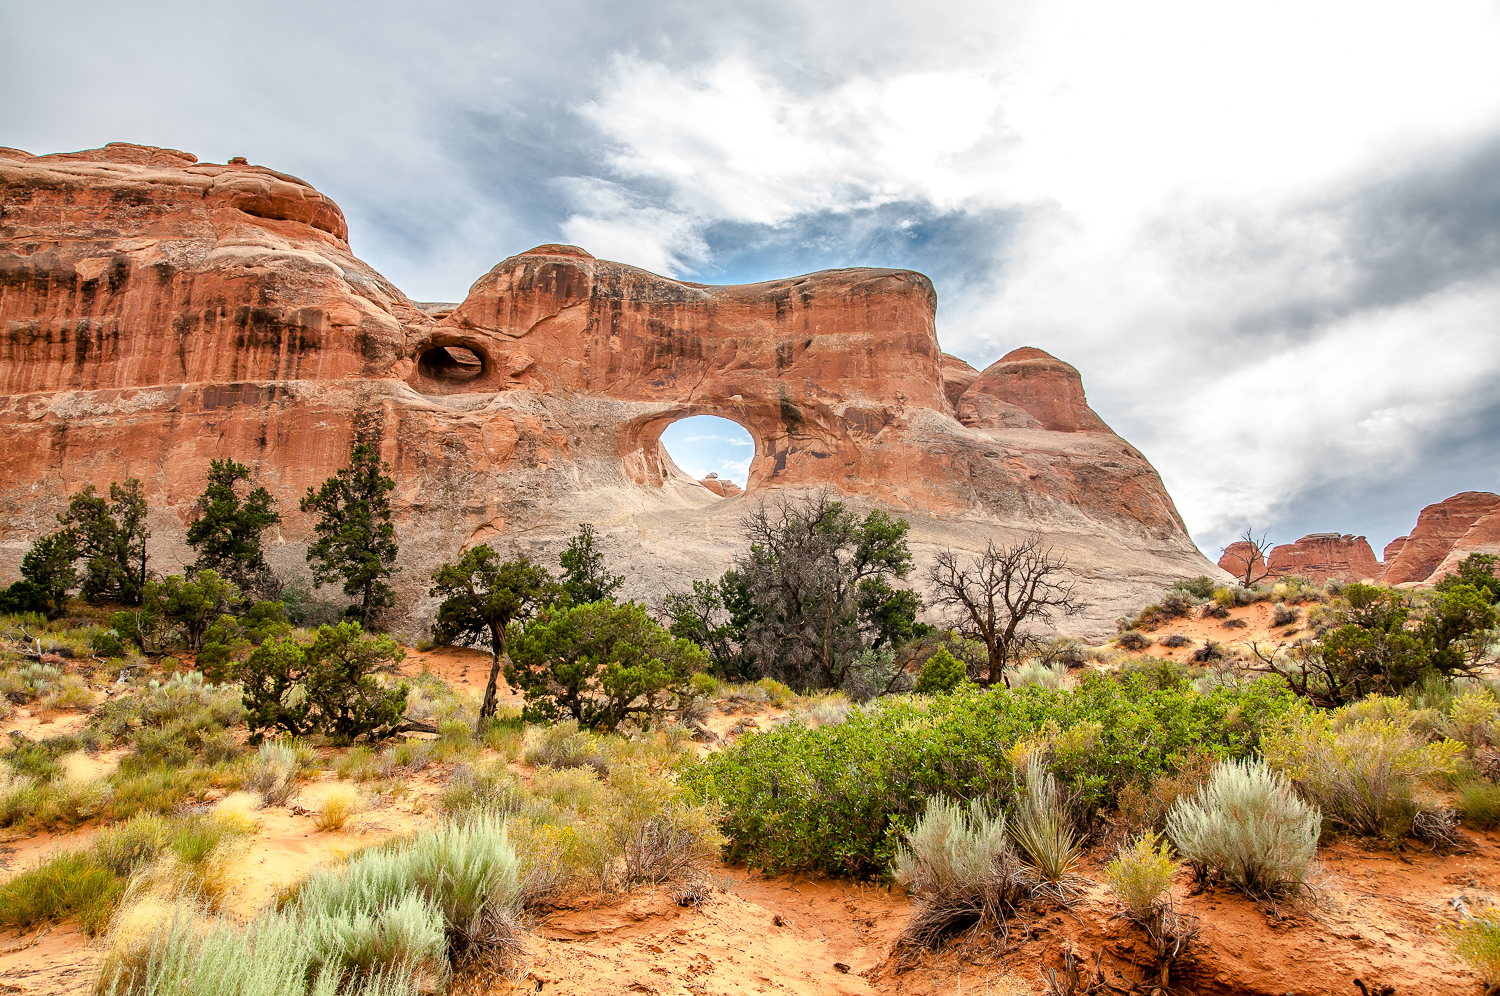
[712, 450]
[453, 363]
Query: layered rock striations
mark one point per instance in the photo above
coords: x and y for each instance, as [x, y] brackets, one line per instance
[157, 313]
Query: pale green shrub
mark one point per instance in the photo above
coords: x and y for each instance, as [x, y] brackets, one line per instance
[1053, 676]
[952, 848]
[273, 770]
[469, 871]
[185, 953]
[564, 745]
[961, 868]
[1248, 826]
[1140, 873]
[29, 681]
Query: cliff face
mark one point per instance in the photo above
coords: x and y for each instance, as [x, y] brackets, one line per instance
[157, 313]
[1446, 533]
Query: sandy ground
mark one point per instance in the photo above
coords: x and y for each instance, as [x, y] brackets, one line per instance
[1257, 629]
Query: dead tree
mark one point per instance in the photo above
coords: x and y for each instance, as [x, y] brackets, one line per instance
[997, 591]
[1256, 559]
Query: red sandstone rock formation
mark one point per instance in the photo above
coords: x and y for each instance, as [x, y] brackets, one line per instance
[1441, 530]
[957, 376]
[1482, 537]
[157, 313]
[721, 487]
[1325, 556]
[1029, 388]
[1239, 555]
[1392, 549]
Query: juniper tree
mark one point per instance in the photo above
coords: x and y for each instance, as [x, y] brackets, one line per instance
[482, 595]
[356, 541]
[585, 578]
[110, 538]
[226, 533]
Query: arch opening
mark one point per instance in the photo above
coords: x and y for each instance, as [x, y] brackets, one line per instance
[712, 450]
[452, 364]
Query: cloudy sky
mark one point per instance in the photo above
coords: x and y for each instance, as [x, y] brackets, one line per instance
[1268, 234]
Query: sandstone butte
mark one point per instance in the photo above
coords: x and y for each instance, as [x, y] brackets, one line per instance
[157, 313]
[1446, 533]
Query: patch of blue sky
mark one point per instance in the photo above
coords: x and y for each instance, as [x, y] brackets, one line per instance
[706, 444]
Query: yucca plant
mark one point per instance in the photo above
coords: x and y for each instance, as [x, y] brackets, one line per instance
[1041, 826]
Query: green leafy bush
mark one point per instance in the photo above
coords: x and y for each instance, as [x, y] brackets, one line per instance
[332, 687]
[599, 663]
[1248, 826]
[836, 799]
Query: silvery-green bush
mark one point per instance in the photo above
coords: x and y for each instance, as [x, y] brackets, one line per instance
[1248, 826]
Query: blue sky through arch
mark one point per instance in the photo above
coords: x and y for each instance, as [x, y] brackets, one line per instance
[706, 444]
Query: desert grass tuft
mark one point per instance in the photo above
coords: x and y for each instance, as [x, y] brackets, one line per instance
[69, 884]
[339, 806]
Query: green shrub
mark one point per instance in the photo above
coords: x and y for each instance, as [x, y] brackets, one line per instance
[1479, 804]
[331, 687]
[703, 685]
[1140, 873]
[184, 706]
[599, 664]
[70, 884]
[1248, 826]
[837, 798]
[1477, 941]
[942, 672]
[1360, 763]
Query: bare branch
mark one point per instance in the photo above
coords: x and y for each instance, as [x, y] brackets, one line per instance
[995, 592]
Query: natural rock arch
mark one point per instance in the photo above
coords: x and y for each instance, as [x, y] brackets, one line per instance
[647, 461]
